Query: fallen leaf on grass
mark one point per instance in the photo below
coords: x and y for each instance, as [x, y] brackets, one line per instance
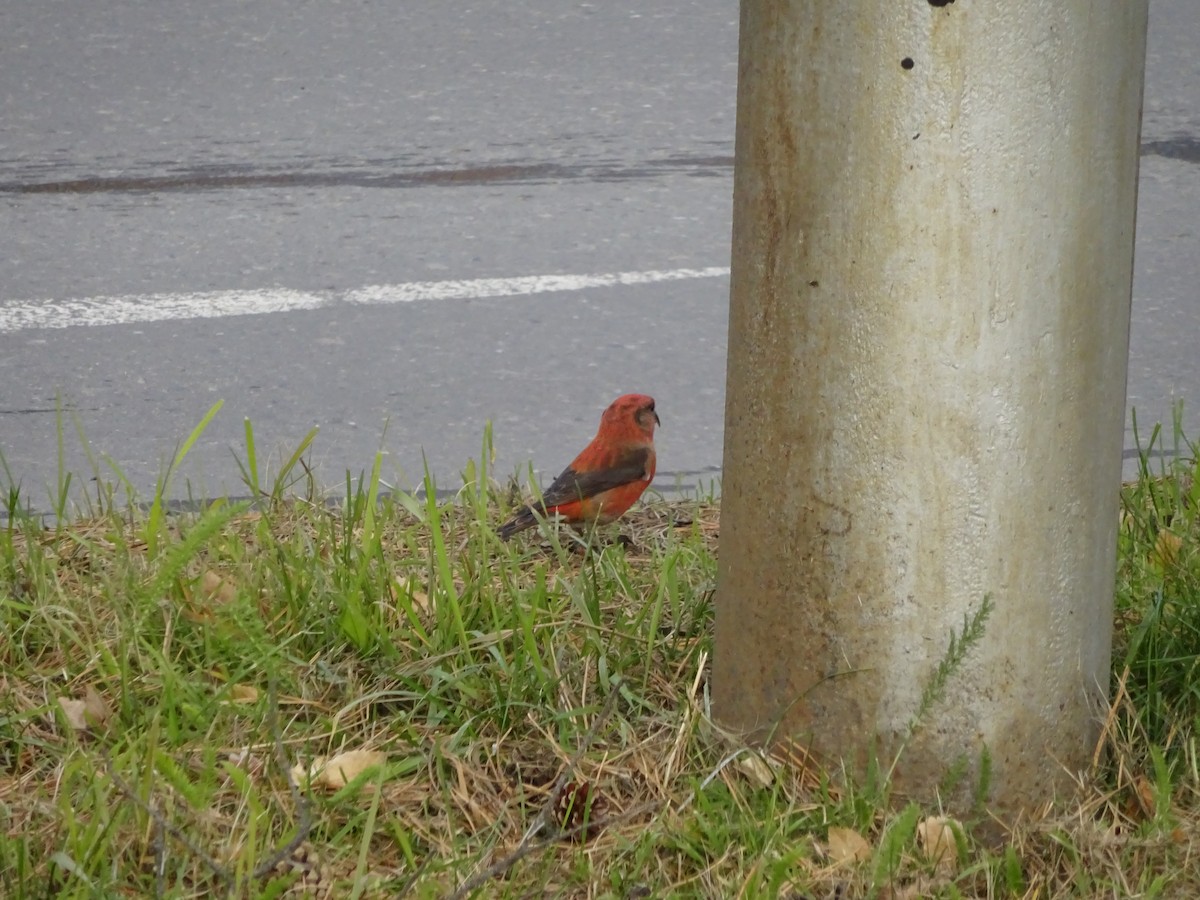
[73, 711]
[250, 763]
[936, 837]
[216, 589]
[1145, 806]
[243, 693]
[337, 772]
[211, 592]
[88, 714]
[416, 597]
[757, 768]
[847, 846]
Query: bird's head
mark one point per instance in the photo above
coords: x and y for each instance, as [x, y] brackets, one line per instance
[632, 409]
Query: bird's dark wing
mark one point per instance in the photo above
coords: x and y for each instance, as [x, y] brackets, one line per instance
[572, 485]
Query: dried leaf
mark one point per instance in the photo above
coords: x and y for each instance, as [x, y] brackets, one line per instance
[216, 589]
[73, 711]
[303, 775]
[95, 707]
[1144, 794]
[89, 714]
[339, 771]
[251, 763]
[757, 768]
[847, 846]
[418, 599]
[936, 837]
[243, 693]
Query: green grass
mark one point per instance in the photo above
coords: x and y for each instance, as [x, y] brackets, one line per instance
[542, 712]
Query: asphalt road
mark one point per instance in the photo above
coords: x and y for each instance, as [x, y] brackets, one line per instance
[163, 158]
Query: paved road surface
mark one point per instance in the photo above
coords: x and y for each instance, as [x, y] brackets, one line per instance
[160, 159]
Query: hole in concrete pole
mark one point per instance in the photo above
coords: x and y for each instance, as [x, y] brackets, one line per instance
[907, 63]
[940, 3]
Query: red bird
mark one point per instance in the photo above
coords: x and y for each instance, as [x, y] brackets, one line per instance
[607, 477]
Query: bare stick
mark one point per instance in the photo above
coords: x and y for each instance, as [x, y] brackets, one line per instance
[265, 867]
[123, 786]
[528, 844]
[528, 847]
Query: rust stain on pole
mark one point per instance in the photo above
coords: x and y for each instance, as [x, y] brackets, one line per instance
[932, 260]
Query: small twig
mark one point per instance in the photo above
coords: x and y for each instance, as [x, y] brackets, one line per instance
[160, 862]
[528, 847]
[264, 868]
[596, 824]
[163, 823]
[525, 850]
[528, 844]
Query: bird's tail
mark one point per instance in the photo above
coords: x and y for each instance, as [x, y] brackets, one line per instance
[522, 520]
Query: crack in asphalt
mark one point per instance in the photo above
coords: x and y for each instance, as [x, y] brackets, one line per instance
[1185, 148]
[28, 412]
[209, 178]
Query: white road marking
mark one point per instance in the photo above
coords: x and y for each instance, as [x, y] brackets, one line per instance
[123, 310]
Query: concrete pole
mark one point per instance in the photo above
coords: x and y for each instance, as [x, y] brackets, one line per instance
[932, 262]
